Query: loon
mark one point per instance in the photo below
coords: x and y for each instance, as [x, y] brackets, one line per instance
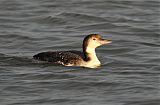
[87, 58]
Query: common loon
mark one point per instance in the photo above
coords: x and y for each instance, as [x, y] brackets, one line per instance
[87, 58]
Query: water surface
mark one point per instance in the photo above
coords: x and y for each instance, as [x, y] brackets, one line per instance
[129, 74]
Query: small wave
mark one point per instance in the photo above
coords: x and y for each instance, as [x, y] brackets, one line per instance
[149, 44]
[77, 17]
[50, 20]
[14, 60]
[69, 18]
[15, 36]
[98, 26]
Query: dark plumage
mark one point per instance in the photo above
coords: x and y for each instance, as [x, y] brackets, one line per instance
[60, 57]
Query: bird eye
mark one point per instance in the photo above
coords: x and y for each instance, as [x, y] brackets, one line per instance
[94, 39]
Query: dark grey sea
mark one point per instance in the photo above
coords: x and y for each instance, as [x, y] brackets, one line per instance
[130, 71]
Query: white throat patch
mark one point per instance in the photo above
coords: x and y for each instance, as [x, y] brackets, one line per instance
[92, 54]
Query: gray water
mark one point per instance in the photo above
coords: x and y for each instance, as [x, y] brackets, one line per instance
[129, 74]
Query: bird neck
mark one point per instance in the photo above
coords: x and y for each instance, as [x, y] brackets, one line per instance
[90, 55]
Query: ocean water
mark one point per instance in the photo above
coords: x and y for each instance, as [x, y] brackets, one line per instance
[130, 71]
